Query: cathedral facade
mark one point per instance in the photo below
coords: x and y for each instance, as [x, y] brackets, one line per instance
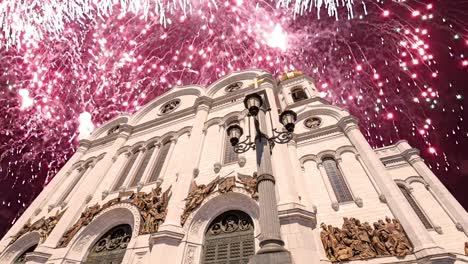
[164, 185]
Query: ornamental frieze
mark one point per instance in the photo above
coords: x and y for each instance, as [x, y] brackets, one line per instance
[358, 241]
[152, 207]
[44, 226]
[198, 193]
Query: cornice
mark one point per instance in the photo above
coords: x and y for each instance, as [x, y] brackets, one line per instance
[307, 101]
[319, 132]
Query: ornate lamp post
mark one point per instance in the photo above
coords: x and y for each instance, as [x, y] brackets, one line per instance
[271, 244]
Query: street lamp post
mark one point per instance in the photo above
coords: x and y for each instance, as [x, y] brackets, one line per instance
[271, 245]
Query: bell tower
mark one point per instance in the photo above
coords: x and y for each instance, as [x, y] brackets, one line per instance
[297, 88]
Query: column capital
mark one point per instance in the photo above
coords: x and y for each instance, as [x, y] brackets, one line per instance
[348, 123]
[265, 177]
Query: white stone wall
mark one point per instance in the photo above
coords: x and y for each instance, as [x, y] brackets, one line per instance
[304, 195]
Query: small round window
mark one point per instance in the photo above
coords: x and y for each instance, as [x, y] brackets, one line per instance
[312, 122]
[114, 130]
[233, 87]
[169, 106]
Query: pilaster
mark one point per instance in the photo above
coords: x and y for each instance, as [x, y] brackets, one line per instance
[423, 243]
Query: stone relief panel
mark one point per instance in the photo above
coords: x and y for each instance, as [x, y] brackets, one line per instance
[190, 255]
[152, 208]
[359, 241]
[44, 226]
[198, 193]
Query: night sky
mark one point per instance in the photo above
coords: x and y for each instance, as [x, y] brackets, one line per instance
[400, 68]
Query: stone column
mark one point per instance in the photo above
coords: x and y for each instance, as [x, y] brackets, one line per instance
[371, 179]
[297, 171]
[421, 239]
[455, 210]
[78, 182]
[150, 168]
[271, 244]
[135, 166]
[331, 193]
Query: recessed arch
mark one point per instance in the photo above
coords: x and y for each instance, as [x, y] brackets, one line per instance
[194, 90]
[118, 214]
[21, 245]
[118, 120]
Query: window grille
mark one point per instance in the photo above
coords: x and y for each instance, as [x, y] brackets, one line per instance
[229, 239]
[298, 94]
[160, 161]
[22, 258]
[229, 154]
[110, 248]
[126, 170]
[338, 183]
[419, 212]
[143, 166]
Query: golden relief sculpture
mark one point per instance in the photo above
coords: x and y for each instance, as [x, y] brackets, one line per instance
[44, 226]
[152, 207]
[198, 193]
[357, 241]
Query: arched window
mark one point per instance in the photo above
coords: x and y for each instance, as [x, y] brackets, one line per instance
[298, 94]
[22, 258]
[229, 239]
[110, 248]
[419, 212]
[128, 166]
[158, 166]
[143, 166]
[68, 189]
[338, 183]
[229, 155]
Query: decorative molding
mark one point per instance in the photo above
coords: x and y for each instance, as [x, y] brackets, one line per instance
[37, 257]
[335, 206]
[217, 167]
[359, 202]
[190, 255]
[242, 160]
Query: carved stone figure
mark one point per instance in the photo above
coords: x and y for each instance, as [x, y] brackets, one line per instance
[250, 184]
[360, 241]
[197, 194]
[86, 217]
[152, 207]
[226, 185]
[44, 226]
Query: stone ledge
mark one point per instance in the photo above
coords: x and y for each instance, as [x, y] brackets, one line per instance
[167, 234]
[296, 212]
[38, 257]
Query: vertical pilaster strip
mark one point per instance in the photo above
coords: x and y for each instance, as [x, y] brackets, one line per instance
[418, 234]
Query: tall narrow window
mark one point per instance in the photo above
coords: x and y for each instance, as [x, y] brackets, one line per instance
[229, 239]
[298, 94]
[229, 154]
[143, 166]
[22, 258]
[338, 183]
[110, 248]
[419, 212]
[158, 166]
[126, 170]
[72, 185]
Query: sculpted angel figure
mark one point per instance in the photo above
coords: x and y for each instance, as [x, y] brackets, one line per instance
[86, 217]
[226, 184]
[197, 194]
[249, 183]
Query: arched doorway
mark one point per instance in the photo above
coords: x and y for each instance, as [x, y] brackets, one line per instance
[22, 258]
[229, 239]
[110, 248]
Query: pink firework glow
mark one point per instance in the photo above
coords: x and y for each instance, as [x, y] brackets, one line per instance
[66, 70]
